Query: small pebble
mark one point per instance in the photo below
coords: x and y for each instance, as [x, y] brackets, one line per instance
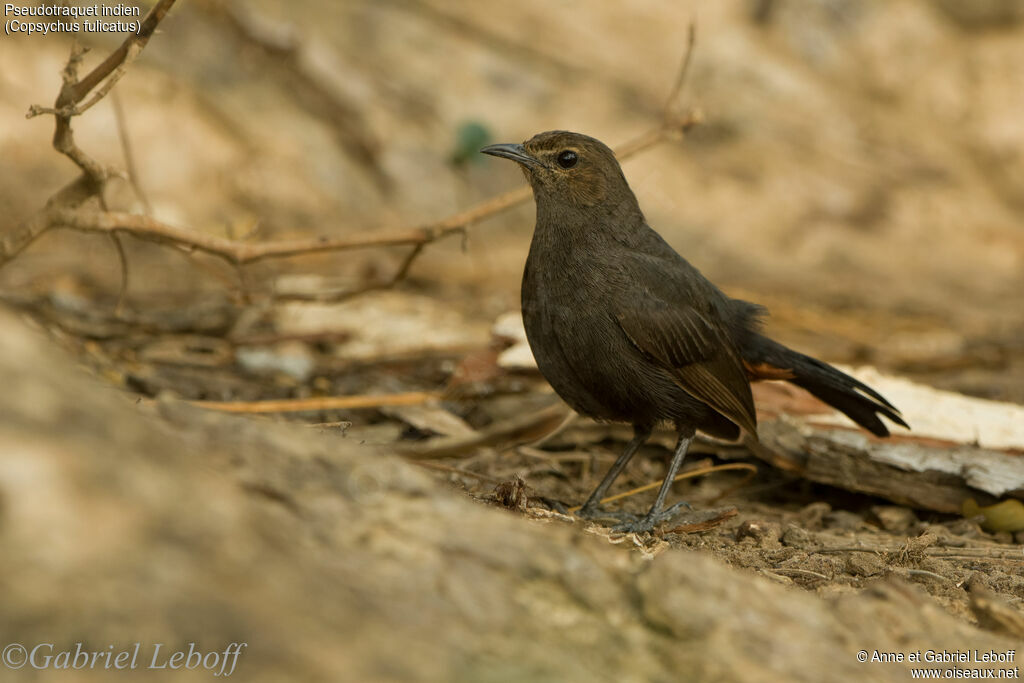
[796, 537]
[894, 518]
[764, 534]
[865, 564]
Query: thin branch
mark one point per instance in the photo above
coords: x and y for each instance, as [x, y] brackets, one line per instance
[343, 425]
[231, 251]
[669, 127]
[63, 136]
[302, 405]
[118, 56]
[705, 520]
[519, 428]
[953, 553]
[799, 572]
[684, 70]
[74, 90]
[122, 294]
[94, 176]
[129, 156]
[337, 297]
[239, 252]
[77, 110]
[925, 572]
[122, 258]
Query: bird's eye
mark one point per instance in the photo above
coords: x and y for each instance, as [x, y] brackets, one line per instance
[567, 159]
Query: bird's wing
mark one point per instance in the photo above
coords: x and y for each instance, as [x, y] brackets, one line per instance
[698, 354]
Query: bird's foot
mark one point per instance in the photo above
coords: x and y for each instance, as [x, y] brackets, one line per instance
[596, 513]
[651, 519]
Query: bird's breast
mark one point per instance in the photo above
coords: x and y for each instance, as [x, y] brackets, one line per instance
[577, 342]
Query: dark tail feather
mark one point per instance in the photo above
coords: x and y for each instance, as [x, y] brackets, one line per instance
[858, 401]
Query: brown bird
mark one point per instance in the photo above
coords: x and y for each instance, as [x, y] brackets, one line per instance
[626, 330]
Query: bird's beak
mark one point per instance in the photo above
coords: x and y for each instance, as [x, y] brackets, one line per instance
[516, 153]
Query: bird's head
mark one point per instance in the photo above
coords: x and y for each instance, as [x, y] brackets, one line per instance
[568, 167]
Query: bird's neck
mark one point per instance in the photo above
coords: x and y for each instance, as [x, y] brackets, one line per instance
[564, 226]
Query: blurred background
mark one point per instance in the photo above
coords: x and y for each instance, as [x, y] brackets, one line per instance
[859, 171]
[860, 168]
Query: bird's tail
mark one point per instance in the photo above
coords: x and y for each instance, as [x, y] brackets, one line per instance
[858, 401]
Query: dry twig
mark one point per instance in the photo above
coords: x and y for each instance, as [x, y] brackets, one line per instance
[302, 405]
[92, 182]
[129, 155]
[241, 252]
[74, 90]
[799, 572]
[950, 553]
[520, 428]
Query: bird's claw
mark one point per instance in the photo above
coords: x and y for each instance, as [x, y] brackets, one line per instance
[595, 513]
[649, 521]
[672, 510]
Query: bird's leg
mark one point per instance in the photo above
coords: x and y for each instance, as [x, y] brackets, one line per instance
[592, 508]
[656, 515]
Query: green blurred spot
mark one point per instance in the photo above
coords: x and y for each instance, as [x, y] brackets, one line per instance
[469, 138]
[1005, 516]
